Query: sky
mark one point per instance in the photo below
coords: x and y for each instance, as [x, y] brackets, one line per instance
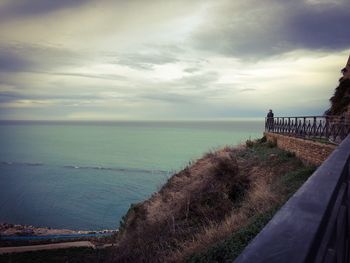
[169, 59]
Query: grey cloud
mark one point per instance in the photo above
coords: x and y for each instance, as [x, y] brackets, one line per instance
[166, 48]
[191, 70]
[323, 27]
[12, 62]
[8, 96]
[93, 76]
[26, 57]
[168, 97]
[257, 29]
[145, 61]
[46, 60]
[23, 8]
[199, 81]
[247, 89]
[187, 90]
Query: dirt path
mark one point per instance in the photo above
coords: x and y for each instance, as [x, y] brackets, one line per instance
[4, 250]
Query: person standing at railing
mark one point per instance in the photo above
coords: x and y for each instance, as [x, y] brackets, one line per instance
[269, 120]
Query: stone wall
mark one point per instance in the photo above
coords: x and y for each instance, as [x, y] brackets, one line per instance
[309, 151]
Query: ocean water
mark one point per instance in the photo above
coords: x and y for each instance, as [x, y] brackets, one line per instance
[85, 175]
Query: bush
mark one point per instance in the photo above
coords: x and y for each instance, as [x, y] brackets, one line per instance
[249, 143]
[271, 144]
[262, 140]
[340, 99]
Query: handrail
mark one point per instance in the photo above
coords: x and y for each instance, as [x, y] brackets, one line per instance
[313, 226]
[332, 128]
[311, 116]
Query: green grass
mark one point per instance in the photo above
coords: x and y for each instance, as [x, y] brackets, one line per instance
[230, 248]
[264, 151]
[287, 184]
[294, 179]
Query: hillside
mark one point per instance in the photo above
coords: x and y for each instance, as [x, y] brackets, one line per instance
[340, 101]
[226, 196]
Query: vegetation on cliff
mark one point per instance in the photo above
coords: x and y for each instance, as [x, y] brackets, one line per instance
[209, 211]
[340, 101]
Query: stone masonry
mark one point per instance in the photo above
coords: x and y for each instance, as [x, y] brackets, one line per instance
[308, 151]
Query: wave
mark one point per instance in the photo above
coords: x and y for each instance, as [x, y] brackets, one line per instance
[102, 168]
[21, 163]
[114, 169]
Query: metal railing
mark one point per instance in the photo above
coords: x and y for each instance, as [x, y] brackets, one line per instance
[333, 128]
[314, 224]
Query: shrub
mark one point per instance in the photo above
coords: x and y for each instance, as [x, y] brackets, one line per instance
[249, 143]
[262, 140]
[271, 144]
[340, 99]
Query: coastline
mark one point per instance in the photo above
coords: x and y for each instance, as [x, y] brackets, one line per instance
[13, 230]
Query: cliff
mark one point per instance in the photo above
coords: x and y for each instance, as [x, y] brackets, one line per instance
[340, 101]
[210, 201]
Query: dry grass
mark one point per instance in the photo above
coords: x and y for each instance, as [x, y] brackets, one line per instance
[202, 205]
[260, 198]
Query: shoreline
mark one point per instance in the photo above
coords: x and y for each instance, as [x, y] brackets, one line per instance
[13, 230]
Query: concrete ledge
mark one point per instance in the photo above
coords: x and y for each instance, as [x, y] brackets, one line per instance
[311, 152]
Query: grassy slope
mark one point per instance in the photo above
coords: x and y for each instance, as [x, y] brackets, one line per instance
[227, 195]
[233, 245]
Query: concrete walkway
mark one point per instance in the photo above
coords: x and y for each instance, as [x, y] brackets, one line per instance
[5, 250]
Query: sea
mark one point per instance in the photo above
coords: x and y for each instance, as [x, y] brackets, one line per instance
[85, 175]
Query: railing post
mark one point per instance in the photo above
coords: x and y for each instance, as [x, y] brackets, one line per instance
[289, 128]
[286, 125]
[314, 127]
[281, 125]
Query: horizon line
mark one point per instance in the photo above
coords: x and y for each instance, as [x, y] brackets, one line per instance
[131, 120]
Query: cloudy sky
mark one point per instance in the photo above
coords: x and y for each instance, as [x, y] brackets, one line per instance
[169, 59]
